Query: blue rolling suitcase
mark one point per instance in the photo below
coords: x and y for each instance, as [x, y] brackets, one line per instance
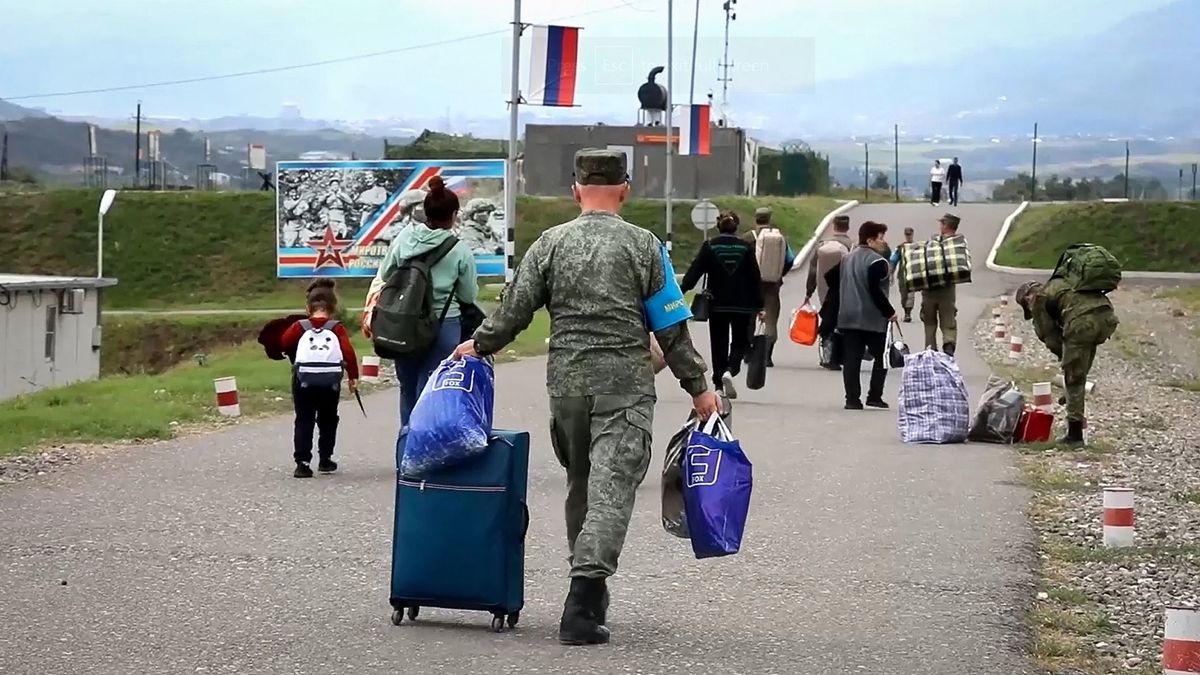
[459, 535]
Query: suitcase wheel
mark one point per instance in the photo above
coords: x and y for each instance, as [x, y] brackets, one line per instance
[397, 617]
[497, 623]
[413, 612]
[513, 619]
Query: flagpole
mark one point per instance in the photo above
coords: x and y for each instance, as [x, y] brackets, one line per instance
[670, 125]
[510, 169]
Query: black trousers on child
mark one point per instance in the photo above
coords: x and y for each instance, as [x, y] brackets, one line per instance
[855, 344]
[314, 407]
[729, 337]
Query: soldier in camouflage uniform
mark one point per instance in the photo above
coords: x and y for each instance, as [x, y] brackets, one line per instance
[1071, 324]
[593, 274]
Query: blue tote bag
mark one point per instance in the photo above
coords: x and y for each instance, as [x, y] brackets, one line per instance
[716, 495]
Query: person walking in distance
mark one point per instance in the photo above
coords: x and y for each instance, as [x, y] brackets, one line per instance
[595, 275]
[937, 177]
[828, 255]
[899, 265]
[771, 251]
[954, 178]
[863, 315]
[731, 270]
[939, 306]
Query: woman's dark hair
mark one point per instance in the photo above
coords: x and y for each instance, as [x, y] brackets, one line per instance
[869, 230]
[728, 223]
[440, 204]
[322, 297]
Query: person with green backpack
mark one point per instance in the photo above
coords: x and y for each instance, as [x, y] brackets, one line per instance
[415, 308]
[1072, 316]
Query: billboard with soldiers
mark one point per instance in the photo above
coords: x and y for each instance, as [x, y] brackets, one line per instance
[338, 218]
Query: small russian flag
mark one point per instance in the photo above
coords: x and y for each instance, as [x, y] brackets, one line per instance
[552, 66]
[695, 132]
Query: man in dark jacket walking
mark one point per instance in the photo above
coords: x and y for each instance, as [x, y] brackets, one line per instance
[863, 315]
[954, 178]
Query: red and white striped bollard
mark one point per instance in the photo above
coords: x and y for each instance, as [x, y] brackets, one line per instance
[227, 396]
[1043, 396]
[1000, 331]
[1015, 346]
[1118, 517]
[1181, 641]
[370, 369]
[1004, 301]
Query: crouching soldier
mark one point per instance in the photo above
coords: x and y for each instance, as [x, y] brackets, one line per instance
[1071, 323]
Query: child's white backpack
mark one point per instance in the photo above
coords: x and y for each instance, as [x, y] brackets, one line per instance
[319, 362]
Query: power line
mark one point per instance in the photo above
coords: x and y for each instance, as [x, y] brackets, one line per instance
[299, 66]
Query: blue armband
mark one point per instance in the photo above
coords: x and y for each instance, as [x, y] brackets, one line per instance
[667, 307]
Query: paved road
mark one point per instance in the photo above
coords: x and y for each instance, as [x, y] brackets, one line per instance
[204, 555]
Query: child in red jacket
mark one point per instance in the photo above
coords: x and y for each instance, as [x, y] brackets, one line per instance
[321, 352]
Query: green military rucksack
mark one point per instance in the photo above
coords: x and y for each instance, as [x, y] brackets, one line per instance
[1088, 267]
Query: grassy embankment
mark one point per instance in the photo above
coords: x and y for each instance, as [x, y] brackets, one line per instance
[1144, 236]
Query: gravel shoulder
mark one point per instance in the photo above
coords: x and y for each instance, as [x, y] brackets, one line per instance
[1101, 610]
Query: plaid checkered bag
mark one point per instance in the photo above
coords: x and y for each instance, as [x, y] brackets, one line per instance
[933, 406]
[941, 261]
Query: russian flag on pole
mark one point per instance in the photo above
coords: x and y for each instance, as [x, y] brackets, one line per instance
[694, 130]
[552, 66]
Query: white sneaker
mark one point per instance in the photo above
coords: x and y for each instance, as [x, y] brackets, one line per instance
[728, 388]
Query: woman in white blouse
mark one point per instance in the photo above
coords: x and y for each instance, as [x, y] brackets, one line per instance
[937, 176]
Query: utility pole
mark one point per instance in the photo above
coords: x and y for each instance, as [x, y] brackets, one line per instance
[1193, 181]
[1180, 183]
[866, 172]
[667, 184]
[726, 64]
[510, 170]
[1126, 169]
[4, 157]
[896, 178]
[692, 100]
[137, 148]
[1033, 180]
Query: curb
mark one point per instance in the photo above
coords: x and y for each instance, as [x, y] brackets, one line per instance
[1030, 271]
[803, 254]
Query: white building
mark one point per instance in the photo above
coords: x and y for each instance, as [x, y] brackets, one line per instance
[49, 331]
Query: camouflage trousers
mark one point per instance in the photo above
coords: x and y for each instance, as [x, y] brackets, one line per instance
[771, 308]
[906, 296]
[939, 308]
[1076, 364]
[604, 444]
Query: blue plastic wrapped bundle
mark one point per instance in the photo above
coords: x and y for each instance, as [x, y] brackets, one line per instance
[452, 419]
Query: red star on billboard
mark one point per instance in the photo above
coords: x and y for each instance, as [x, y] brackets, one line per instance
[330, 249]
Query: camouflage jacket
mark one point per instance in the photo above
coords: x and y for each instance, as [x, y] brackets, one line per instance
[1061, 314]
[592, 274]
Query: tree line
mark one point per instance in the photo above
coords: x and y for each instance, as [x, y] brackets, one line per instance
[1055, 188]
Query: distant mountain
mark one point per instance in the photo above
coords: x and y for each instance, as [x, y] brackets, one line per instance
[12, 111]
[1136, 77]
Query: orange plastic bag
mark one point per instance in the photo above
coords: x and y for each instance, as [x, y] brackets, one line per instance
[804, 325]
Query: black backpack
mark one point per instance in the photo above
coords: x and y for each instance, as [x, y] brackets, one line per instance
[404, 321]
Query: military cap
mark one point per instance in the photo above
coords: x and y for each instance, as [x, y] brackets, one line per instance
[762, 211]
[841, 220]
[596, 166]
[950, 219]
[1022, 296]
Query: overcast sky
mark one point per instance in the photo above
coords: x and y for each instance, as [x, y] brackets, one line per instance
[777, 45]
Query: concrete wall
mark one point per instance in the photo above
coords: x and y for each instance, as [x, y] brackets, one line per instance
[24, 366]
[550, 154]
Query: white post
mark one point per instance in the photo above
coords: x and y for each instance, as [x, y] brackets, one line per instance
[510, 169]
[669, 188]
[100, 246]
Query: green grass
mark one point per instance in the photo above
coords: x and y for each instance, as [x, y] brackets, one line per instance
[1042, 477]
[1144, 236]
[1192, 385]
[151, 406]
[1192, 497]
[1186, 296]
[199, 250]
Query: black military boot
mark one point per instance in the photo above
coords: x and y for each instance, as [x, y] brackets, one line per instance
[771, 353]
[583, 613]
[1074, 434]
[948, 348]
[908, 316]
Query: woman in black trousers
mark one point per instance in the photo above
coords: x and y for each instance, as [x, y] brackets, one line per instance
[734, 282]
